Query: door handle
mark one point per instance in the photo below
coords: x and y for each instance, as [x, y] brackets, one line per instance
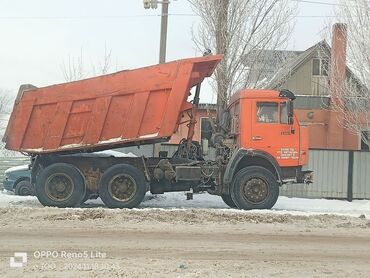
[256, 138]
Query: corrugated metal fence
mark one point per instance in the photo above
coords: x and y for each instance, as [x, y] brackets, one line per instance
[337, 174]
[330, 176]
[361, 175]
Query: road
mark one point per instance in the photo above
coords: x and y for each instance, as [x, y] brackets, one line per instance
[100, 242]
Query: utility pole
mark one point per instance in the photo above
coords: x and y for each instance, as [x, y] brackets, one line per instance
[164, 22]
[163, 41]
[162, 44]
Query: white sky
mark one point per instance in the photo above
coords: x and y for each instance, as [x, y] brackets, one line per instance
[36, 36]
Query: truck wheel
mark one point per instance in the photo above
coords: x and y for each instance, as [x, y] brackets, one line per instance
[23, 188]
[122, 186]
[228, 201]
[254, 187]
[60, 185]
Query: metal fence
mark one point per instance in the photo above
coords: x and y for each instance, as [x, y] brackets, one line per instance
[337, 174]
[361, 175]
[330, 176]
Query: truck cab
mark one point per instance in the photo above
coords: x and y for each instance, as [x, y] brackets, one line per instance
[265, 121]
[271, 148]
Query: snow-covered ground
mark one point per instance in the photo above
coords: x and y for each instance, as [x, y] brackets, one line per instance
[177, 200]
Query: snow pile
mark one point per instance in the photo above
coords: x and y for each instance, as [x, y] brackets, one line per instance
[356, 207]
[8, 199]
[177, 200]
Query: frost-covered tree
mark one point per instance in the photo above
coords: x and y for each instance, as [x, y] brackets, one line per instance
[76, 68]
[240, 30]
[5, 101]
[351, 99]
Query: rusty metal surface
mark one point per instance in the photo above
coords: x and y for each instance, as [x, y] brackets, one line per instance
[91, 168]
[128, 107]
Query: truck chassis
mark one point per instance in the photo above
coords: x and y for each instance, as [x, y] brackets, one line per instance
[244, 179]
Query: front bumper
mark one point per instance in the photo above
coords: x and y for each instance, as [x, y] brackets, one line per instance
[8, 185]
[296, 175]
[305, 177]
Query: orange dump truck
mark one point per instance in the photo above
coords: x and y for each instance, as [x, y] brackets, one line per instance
[264, 147]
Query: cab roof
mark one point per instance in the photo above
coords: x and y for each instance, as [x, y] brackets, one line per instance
[259, 93]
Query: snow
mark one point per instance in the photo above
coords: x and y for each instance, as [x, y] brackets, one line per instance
[16, 168]
[112, 140]
[117, 154]
[149, 135]
[177, 200]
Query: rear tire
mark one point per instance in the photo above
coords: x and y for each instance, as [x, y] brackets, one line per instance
[228, 201]
[86, 196]
[254, 187]
[60, 185]
[122, 186]
[24, 188]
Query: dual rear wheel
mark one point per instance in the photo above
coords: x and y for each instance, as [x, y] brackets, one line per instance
[122, 186]
[62, 185]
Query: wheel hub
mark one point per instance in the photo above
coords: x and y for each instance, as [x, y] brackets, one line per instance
[122, 187]
[59, 187]
[25, 191]
[255, 190]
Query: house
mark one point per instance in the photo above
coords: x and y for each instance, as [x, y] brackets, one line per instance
[307, 73]
[310, 75]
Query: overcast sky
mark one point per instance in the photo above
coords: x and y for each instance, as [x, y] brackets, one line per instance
[37, 36]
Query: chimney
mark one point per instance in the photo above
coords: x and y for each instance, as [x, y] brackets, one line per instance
[337, 75]
[338, 60]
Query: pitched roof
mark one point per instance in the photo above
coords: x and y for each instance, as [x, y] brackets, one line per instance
[292, 66]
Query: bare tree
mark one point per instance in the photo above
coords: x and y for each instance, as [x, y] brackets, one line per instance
[241, 30]
[351, 98]
[105, 66]
[75, 67]
[5, 101]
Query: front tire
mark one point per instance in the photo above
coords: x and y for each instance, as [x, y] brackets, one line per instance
[122, 186]
[254, 187]
[24, 188]
[60, 185]
[228, 201]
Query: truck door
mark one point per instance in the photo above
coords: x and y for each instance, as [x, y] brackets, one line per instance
[272, 133]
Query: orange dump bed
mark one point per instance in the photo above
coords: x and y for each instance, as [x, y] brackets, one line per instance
[138, 106]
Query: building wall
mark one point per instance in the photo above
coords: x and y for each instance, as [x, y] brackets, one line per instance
[317, 121]
[300, 81]
[182, 131]
[324, 129]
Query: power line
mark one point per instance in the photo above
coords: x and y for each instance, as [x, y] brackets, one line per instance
[78, 17]
[123, 17]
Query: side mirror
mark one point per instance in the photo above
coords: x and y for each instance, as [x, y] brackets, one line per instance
[290, 112]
